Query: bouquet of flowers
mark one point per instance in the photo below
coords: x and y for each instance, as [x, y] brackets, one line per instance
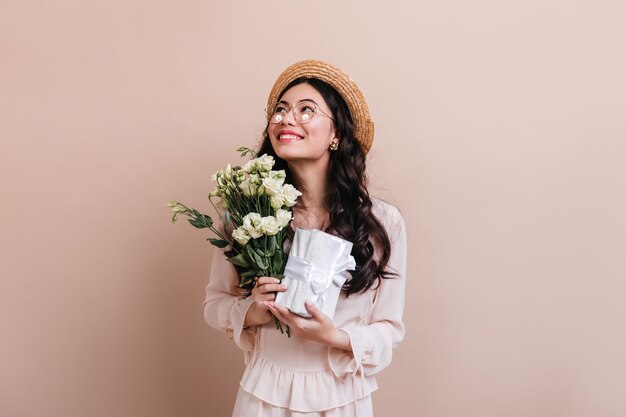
[255, 204]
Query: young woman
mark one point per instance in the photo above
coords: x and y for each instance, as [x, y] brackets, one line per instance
[319, 131]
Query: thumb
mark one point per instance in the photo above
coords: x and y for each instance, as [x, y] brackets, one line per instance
[312, 308]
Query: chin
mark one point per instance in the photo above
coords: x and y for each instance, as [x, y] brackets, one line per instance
[289, 155]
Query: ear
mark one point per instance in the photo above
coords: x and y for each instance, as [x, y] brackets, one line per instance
[334, 133]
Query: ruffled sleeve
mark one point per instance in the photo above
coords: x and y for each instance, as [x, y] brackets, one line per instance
[224, 309]
[373, 343]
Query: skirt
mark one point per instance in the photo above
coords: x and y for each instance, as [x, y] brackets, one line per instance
[247, 405]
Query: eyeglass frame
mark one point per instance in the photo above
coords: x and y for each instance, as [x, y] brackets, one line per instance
[290, 109]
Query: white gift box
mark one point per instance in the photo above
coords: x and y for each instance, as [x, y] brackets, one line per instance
[315, 271]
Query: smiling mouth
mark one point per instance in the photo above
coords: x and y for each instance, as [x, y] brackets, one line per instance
[289, 138]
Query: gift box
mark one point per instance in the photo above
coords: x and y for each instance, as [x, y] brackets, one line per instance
[316, 270]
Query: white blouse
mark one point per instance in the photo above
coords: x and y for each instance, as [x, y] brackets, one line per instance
[306, 376]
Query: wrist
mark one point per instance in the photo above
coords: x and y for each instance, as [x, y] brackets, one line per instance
[251, 316]
[339, 339]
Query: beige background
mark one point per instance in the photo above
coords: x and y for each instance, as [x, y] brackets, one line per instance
[500, 134]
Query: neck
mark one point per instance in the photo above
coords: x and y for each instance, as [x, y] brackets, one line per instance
[312, 181]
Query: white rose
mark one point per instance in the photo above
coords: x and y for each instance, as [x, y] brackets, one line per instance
[283, 217]
[241, 235]
[251, 222]
[279, 176]
[269, 225]
[276, 201]
[249, 188]
[272, 186]
[250, 166]
[265, 162]
[290, 194]
[255, 179]
[240, 176]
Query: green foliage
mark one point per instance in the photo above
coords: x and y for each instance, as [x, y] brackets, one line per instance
[241, 260]
[218, 242]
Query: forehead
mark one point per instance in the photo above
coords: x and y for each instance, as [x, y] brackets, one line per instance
[303, 92]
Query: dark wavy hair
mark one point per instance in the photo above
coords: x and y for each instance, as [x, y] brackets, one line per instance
[349, 202]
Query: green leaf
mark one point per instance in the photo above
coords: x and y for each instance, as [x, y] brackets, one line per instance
[278, 259]
[256, 258]
[227, 217]
[218, 242]
[197, 223]
[208, 221]
[250, 273]
[240, 260]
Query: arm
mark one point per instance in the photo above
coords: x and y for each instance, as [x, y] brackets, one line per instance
[372, 344]
[224, 309]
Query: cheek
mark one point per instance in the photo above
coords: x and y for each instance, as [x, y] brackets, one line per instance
[272, 131]
[320, 131]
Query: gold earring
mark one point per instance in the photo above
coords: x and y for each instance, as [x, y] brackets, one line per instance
[334, 144]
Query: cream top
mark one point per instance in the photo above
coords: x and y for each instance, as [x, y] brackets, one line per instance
[307, 376]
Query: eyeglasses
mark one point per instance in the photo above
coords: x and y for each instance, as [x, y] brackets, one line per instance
[303, 111]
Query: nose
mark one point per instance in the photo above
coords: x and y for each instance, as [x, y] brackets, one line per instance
[289, 115]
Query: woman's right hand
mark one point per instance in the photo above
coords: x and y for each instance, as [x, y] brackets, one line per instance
[264, 290]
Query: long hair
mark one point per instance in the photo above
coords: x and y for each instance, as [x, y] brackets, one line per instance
[349, 202]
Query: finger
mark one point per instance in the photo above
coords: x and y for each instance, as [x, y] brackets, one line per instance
[262, 298]
[267, 280]
[283, 310]
[279, 315]
[273, 288]
[287, 316]
[312, 308]
[291, 317]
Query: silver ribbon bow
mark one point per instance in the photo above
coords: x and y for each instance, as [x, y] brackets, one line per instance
[320, 280]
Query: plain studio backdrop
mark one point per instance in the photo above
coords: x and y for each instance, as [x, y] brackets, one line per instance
[500, 135]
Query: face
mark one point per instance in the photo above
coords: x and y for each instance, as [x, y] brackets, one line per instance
[298, 142]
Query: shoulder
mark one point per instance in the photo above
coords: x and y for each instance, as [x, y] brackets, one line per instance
[388, 214]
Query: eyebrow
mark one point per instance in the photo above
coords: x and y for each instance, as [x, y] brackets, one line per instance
[300, 101]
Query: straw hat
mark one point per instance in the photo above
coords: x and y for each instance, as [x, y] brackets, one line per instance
[345, 86]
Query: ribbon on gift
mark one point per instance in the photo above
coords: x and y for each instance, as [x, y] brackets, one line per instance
[320, 280]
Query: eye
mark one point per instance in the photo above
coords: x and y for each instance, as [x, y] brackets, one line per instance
[306, 108]
[279, 109]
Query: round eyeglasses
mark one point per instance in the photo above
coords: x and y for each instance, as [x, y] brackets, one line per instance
[303, 111]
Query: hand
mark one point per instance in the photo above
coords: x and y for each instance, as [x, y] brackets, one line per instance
[264, 290]
[318, 328]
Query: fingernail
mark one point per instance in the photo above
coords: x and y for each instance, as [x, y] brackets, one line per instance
[283, 287]
[276, 280]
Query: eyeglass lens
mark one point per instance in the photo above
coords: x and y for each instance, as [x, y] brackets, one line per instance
[302, 112]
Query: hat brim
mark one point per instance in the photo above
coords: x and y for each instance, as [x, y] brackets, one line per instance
[340, 81]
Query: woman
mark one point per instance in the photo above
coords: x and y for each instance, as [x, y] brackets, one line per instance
[319, 132]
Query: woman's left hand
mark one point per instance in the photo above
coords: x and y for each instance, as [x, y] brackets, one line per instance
[318, 328]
